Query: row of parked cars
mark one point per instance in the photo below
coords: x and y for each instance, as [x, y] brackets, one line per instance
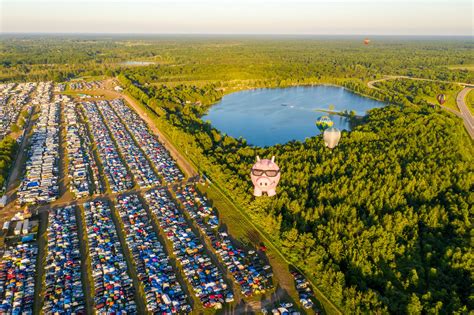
[87, 145]
[80, 178]
[39, 184]
[17, 279]
[113, 288]
[204, 276]
[63, 287]
[163, 293]
[60, 87]
[83, 85]
[133, 156]
[154, 150]
[248, 270]
[117, 175]
[303, 287]
[13, 98]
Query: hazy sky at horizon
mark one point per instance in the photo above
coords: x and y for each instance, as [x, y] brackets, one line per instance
[384, 17]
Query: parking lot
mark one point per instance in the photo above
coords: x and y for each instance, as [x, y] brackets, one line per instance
[149, 143]
[248, 270]
[200, 271]
[113, 287]
[131, 153]
[81, 180]
[150, 248]
[40, 181]
[17, 279]
[13, 99]
[63, 285]
[117, 175]
[163, 292]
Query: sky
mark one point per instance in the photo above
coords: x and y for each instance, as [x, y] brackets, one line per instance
[306, 17]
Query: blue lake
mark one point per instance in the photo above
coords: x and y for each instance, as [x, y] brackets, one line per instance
[266, 117]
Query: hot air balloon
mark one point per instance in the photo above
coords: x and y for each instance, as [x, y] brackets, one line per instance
[366, 41]
[331, 137]
[441, 98]
[265, 176]
[324, 122]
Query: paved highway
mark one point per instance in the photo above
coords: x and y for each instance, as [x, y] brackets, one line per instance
[464, 110]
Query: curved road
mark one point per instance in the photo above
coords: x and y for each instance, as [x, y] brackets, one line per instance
[463, 113]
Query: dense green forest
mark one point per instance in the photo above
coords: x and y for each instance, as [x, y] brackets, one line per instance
[8, 147]
[234, 61]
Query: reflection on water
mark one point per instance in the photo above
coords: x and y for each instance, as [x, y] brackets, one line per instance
[270, 116]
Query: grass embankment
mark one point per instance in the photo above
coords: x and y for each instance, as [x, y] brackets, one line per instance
[450, 99]
[89, 78]
[468, 67]
[86, 266]
[470, 101]
[239, 223]
[94, 95]
[41, 263]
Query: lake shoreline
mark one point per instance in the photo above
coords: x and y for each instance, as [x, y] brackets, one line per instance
[277, 115]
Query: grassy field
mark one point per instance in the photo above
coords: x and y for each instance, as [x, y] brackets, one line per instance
[89, 78]
[469, 67]
[96, 95]
[86, 274]
[450, 101]
[41, 263]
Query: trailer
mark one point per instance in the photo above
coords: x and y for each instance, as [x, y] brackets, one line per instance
[18, 228]
[26, 226]
[6, 226]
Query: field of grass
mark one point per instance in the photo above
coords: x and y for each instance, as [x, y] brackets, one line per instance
[94, 95]
[89, 78]
[470, 101]
[469, 67]
[450, 99]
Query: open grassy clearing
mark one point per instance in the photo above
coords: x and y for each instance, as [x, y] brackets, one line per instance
[450, 99]
[469, 67]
